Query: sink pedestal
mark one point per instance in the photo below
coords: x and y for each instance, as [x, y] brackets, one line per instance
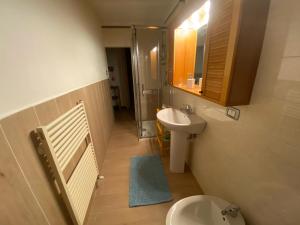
[179, 146]
[181, 126]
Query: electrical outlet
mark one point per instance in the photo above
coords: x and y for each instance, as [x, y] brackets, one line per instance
[233, 113]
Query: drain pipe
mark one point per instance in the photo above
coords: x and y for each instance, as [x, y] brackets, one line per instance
[173, 10]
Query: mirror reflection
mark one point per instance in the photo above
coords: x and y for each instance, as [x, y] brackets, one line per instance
[201, 37]
[189, 47]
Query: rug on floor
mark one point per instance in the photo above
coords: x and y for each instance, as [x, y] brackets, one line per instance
[148, 183]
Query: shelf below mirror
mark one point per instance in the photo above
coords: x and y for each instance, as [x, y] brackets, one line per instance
[196, 90]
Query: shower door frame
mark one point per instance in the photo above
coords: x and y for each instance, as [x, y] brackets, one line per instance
[136, 76]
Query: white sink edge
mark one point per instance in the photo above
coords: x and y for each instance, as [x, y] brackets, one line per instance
[195, 126]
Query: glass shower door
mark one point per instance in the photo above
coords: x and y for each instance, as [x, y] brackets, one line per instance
[148, 65]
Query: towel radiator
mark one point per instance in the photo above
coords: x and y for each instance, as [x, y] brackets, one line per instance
[67, 147]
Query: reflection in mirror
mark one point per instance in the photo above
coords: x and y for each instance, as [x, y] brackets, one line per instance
[189, 47]
[201, 37]
[153, 63]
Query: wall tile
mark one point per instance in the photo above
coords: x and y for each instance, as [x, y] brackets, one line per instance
[18, 128]
[95, 123]
[18, 205]
[103, 109]
[64, 103]
[77, 96]
[292, 47]
[108, 101]
[47, 112]
[255, 162]
[290, 69]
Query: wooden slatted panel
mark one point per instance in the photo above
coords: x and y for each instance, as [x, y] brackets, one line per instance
[218, 35]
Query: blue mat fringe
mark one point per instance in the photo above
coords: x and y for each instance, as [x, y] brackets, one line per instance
[148, 183]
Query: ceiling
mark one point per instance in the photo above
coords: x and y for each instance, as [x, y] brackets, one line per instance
[133, 12]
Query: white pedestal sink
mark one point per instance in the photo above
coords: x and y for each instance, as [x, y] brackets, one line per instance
[181, 126]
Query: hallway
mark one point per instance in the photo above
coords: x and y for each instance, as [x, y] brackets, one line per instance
[110, 205]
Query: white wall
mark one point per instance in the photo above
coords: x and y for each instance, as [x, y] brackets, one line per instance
[117, 37]
[47, 48]
[255, 162]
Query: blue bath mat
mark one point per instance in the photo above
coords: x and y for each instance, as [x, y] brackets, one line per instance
[148, 183]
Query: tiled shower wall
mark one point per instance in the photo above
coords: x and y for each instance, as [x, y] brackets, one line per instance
[27, 196]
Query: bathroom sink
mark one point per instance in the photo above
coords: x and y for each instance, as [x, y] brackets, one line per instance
[176, 120]
[181, 126]
[201, 210]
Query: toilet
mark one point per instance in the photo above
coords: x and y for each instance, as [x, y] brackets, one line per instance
[202, 210]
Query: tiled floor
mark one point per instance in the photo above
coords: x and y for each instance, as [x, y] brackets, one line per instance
[110, 204]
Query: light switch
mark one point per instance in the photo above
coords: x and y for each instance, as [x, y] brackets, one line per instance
[233, 113]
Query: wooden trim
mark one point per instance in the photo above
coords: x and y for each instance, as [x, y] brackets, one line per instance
[198, 95]
[170, 61]
[248, 52]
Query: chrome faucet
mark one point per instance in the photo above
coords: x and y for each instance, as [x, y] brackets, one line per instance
[187, 109]
[231, 210]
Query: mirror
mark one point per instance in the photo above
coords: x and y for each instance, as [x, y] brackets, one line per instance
[189, 47]
[201, 37]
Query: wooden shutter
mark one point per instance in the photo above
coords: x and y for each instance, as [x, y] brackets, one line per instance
[220, 47]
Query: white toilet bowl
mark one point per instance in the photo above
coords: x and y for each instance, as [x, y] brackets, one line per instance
[201, 210]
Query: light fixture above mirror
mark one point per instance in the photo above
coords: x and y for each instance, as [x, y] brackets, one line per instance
[198, 19]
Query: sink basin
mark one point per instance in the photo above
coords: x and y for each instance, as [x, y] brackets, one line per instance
[201, 210]
[181, 126]
[176, 120]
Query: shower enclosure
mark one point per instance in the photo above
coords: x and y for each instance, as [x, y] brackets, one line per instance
[149, 66]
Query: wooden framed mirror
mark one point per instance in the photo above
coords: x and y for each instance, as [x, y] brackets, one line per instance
[217, 49]
[189, 47]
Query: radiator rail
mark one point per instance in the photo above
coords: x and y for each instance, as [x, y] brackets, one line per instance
[58, 142]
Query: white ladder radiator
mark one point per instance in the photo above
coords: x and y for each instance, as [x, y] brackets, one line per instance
[67, 146]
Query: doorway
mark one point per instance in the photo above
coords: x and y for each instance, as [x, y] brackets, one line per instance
[136, 77]
[121, 80]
